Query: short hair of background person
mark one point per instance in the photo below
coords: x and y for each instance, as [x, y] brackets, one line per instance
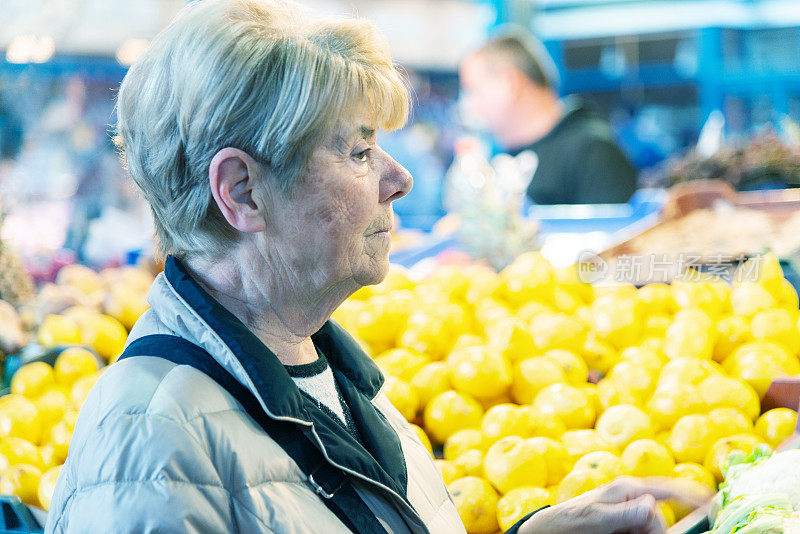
[520, 48]
[217, 77]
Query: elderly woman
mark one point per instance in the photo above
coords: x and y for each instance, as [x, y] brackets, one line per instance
[238, 405]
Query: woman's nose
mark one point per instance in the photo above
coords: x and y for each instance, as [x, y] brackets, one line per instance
[396, 181]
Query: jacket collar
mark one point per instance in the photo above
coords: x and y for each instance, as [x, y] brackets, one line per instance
[260, 364]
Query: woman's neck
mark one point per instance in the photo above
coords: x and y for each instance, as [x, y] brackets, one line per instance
[283, 317]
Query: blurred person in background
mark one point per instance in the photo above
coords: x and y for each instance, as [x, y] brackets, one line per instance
[510, 88]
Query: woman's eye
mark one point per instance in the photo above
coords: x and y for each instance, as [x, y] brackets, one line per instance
[362, 155]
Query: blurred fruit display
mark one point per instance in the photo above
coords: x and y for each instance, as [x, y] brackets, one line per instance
[84, 317]
[763, 160]
[531, 386]
[538, 387]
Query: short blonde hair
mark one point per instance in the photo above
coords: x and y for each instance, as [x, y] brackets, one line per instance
[265, 77]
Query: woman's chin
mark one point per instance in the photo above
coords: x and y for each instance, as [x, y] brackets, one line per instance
[374, 273]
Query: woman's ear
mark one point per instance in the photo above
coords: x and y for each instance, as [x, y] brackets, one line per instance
[233, 176]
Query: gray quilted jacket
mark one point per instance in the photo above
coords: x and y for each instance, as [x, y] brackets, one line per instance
[160, 447]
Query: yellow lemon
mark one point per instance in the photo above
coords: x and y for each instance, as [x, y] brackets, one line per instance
[19, 418]
[717, 455]
[529, 277]
[565, 301]
[696, 472]
[423, 438]
[530, 310]
[557, 331]
[47, 485]
[581, 442]
[504, 420]
[542, 424]
[749, 298]
[668, 406]
[578, 482]
[647, 457]
[777, 326]
[449, 471]
[58, 330]
[21, 480]
[572, 405]
[126, 304]
[33, 379]
[470, 462]
[402, 396]
[634, 379]
[732, 332]
[425, 332]
[687, 370]
[728, 421]
[51, 406]
[476, 502]
[760, 362]
[81, 388]
[591, 391]
[624, 423]
[461, 441]
[786, 296]
[764, 269]
[512, 338]
[717, 391]
[105, 335]
[607, 463]
[646, 358]
[401, 362]
[432, 379]
[518, 503]
[609, 393]
[698, 295]
[575, 369]
[598, 356]
[776, 425]
[513, 462]
[18, 451]
[616, 320]
[450, 412]
[479, 371]
[382, 319]
[60, 437]
[80, 277]
[691, 438]
[654, 344]
[657, 298]
[667, 513]
[532, 375]
[656, 326]
[569, 279]
[690, 335]
[559, 462]
[48, 456]
[74, 363]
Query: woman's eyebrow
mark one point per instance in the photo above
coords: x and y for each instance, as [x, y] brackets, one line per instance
[367, 132]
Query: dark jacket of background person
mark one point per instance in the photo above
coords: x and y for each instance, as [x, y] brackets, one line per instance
[579, 162]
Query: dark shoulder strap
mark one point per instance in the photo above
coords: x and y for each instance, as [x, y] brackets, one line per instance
[331, 484]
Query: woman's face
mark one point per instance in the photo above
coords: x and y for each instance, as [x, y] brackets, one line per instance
[339, 215]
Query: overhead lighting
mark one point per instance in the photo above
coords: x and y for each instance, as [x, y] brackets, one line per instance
[44, 49]
[30, 49]
[129, 51]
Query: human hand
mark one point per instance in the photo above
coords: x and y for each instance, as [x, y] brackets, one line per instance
[626, 505]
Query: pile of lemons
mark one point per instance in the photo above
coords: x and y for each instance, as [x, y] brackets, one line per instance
[496, 367]
[38, 416]
[36, 423]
